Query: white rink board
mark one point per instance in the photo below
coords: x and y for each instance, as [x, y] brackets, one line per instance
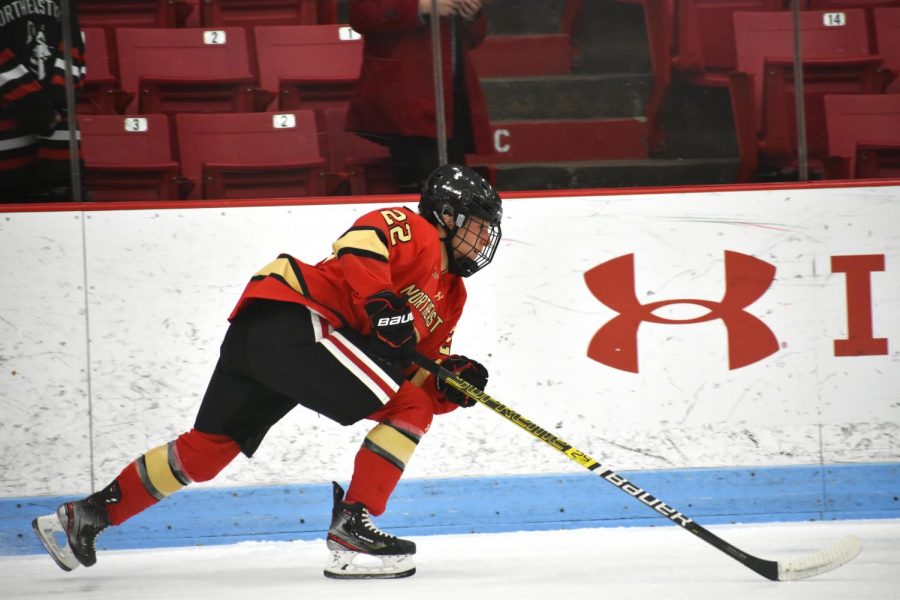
[162, 282]
[44, 399]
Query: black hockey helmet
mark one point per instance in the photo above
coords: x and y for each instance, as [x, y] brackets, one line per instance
[460, 193]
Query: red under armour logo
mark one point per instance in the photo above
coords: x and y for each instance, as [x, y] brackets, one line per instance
[746, 279]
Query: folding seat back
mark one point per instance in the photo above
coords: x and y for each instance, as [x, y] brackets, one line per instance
[186, 70]
[695, 39]
[659, 21]
[111, 14]
[355, 164]
[705, 49]
[836, 59]
[101, 93]
[128, 157]
[845, 4]
[193, 14]
[867, 123]
[309, 66]
[868, 5]
[252, 13]
[327, 11]
[882, 160]
[251, 155]
[887, 31]
[102, 56]
[769, 35]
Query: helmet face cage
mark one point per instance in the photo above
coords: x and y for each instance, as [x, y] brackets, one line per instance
[472, 245]
[474, 211]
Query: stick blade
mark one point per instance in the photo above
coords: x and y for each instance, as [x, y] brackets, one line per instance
[841, 552]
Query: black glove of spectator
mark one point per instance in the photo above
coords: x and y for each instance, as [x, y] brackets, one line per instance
[57, 95]
[393, 334]
[35, 114]
[469, 370]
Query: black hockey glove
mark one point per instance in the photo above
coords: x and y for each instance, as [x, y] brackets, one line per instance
[471, 371]
[393, 334]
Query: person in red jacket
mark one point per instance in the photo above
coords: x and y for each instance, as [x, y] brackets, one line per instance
[34, 124]
[393, 102]
[336, 337]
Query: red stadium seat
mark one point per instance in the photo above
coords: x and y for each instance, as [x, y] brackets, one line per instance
[326, 11]
[128, 157]
[101, 93]
[193, 17]
[111, 14]
[705, 52]
[187, 70]
[250, 14]
[878, 161]
[356, 165]
[836, 59]
[309, 66]
[868, 5]
[864, 126]
[251, 155]
[253, 13]
[659, 19]
[887, 30]
[695, 39]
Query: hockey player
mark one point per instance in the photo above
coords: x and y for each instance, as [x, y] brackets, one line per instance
[336, 337]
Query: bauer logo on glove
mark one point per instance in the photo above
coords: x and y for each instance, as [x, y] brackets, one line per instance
[398, 320]
[393, 335]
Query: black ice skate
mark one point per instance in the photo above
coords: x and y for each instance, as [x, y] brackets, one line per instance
[353, 536]
[80, 522]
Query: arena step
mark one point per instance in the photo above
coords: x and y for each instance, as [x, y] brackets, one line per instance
[567, 96]
[524, 55]
[615, 174]
[554, 141]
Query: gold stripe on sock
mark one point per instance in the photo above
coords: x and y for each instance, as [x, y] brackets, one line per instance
[159, 473]
[391, 442]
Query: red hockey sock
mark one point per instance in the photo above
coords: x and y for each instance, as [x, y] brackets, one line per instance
[134, 496]
[388, 448]
[162, 471]
[374, 479]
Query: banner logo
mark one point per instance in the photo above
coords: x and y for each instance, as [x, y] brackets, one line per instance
[746, 280]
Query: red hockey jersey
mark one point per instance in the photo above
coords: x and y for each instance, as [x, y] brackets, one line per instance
[388, 249]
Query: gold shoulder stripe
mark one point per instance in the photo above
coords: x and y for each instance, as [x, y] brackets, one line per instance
[366, 241]
[284, 269]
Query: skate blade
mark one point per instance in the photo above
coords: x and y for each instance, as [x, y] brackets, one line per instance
[47, 529]
[344, 564]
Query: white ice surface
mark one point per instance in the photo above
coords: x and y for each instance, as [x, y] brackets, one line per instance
[646, 563]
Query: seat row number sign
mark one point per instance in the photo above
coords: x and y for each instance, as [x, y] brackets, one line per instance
[214, 37]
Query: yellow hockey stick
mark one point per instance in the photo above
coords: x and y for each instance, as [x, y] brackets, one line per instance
[803, 567]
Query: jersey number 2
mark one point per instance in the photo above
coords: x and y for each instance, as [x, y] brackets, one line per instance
[398, 231]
